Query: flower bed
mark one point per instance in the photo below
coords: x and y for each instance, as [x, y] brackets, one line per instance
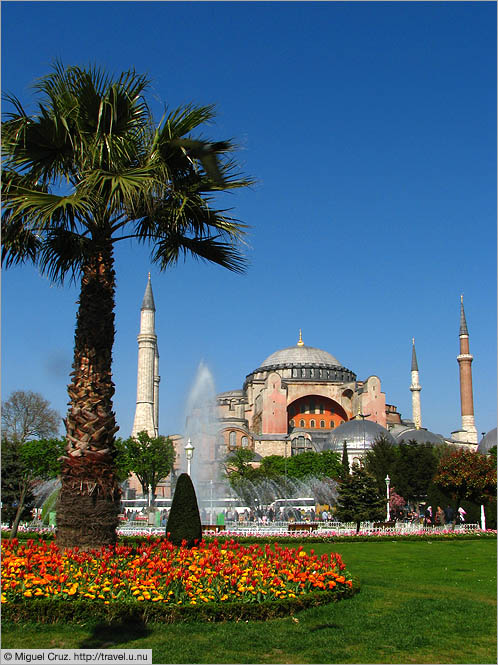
[72, 584]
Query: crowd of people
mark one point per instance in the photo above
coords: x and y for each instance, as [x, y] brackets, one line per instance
[267, 515]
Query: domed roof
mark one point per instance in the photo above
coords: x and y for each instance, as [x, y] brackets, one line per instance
[358, 434]
[419, 435]
[487, 442]
[301, 355]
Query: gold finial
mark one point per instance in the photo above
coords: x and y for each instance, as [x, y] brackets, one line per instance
[413, 341]
[149, 275]
[300, 341]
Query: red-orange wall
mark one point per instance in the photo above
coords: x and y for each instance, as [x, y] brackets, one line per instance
[332, 411]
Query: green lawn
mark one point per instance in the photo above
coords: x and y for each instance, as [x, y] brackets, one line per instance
[420, 602]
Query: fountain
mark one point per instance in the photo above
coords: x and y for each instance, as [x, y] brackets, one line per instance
[265, 491]
[210, 484]
[45, 494]
[201, 427]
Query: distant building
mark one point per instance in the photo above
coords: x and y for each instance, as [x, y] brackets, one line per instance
[299, 399]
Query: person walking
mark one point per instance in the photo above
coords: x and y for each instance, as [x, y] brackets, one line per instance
[440, 516]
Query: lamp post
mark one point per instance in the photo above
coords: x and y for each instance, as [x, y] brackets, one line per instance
[189, 452]
[388, 482]
[211, 502]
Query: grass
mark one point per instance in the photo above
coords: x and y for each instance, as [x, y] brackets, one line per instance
[420, 602]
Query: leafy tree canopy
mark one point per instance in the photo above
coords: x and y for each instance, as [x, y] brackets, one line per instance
[379, 461]
[149, 458]
[465, 474]
[414, 469]
[325, 464]
[359, 499]
[24, 465]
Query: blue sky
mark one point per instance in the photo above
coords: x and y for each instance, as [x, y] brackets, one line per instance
[371, 131]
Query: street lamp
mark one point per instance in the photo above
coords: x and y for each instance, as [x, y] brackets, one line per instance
[388, 482]
[189, 452]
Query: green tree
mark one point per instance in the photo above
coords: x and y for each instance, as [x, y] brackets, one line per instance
[240, 473]
[465, 474]
[89, 170]
[184, 521]
[33, 461]
[274, 466]
[27, 415]
[238, 465]
[380, 460]
[413, 470]
[325, 464]
[359, 498]
[12, 471]
[149, 458]
[345, 459]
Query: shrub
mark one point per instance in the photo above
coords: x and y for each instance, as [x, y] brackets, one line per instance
[184, 521]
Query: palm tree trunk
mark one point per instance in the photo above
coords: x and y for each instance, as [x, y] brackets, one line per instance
[88, 505]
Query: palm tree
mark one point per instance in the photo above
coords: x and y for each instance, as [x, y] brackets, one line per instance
[88, 170]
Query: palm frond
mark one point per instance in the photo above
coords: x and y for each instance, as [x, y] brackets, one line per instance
[93, 133]
[41, 210]
[63, 253]
[168, 251]
[19, 244]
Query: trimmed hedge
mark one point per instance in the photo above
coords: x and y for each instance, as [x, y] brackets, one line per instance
[184, 521]
[51, 611]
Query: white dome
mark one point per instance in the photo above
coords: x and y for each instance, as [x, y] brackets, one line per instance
[300, 355]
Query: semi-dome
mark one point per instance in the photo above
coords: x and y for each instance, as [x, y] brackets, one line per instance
[359, 434]
[406, 434]
[300, 355]
[487, 442]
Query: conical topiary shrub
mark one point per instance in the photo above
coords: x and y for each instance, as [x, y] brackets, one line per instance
[184, 521]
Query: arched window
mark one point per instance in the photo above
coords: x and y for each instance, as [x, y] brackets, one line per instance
[300, 445]
[301, 423]
[322, 423]
[245, 442]
[233, 440]
[332, 424]
[291, 422]
[312, 423]
[303, 372]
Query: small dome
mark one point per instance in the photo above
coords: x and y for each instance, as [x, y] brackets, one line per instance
[358, 434]
[419, 435]
[487, 442]
[300, 355]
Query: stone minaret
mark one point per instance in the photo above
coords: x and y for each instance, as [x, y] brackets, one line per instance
[415, 389]
[468, 433]
[147, 410]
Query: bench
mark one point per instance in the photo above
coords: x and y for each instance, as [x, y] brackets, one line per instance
[302, 526]
[213, 527]
[384, 525]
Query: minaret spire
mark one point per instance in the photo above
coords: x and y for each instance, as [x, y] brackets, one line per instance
[415, 390]
[468, 433]
[147, 409]
[463, 321]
